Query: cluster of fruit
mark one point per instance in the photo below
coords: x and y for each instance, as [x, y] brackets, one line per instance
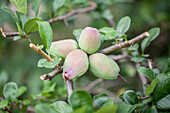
[76, 60]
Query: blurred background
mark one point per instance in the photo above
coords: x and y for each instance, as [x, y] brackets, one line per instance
[18, 63]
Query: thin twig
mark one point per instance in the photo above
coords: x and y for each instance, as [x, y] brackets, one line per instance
[92, 7]
[42, 53]
[52, 74]
[125, 44]
[120, 56]
[92, 84]
[142, 78]
[69, 85]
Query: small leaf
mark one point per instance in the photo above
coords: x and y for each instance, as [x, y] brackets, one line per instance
[44, 108]
[49, 86]
[108, 109]
[57, 4]
[21, 91]
[31, 25]
[106, 14]
[46, 33]
[164, 103]
[147, 72]
[16, 38]
[36, 6]
[130, 97]
[77, 33]
[137, 59]
[99, 100]
[151, 87]
[132, 108]
[61, 107]
[44, 63]
[22, 19]
[40, 47]
[3, 103]
[21, 5]
[152, 110]
[147, 100]
[154, 32]
[10, 91]
[81, 98]
[7, 9]
[123, 24]
[108, 102]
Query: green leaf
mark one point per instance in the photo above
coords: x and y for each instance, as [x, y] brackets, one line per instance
[147, 72]
[82, 109]
[21, 5]
[44, 63]
[79, 1]
[137, 59]
[44, 108]
[130, 97]
[123, 107]
[10, 91]
[31, 25]
[151, 87]
[152, 110]
[3, 79]
[22, 19]
[123, 24]
[77, 33]
[36, 6]
[108, 102]
[21, 91]
[164, 103]
[132, 108]
[7, 9]
[147, 100]
[49, 86]
[81, 98]
[61, 107]
[46, 33]
[162, 88]
[16, 38]
[99, 100]
[154, 32]
[57, 4]
[106, 14]
[3, 103]
[108, 109]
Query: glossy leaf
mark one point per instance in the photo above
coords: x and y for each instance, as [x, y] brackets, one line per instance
[61, 107]
[21, 91]
[164, 103]
[81, 98]
[99, 100]
[77, 33]
[137, 59]
[130, 97]
[57, 4]
[31, 25]
[36, 6]
[21, 5]
[108, 109]
[3, 103]
[132, 108]
[162, 88]
[154, 32]
[46, 33]
[147, 100]
[152, 110]
[10, 91]
[151, 87]
[123, 107]
[108, 102]
[123, 24]
[44, 108]
[147, 72]
[22, 19]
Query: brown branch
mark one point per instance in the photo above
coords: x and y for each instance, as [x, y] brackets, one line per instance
[92, 84]
[52, 74]
[42, 53]
[125, 44]
[92, 7]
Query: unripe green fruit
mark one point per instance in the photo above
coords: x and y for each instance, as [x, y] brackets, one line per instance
[89, 40]
[103, 67]
[63, 47]
[76, 64]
